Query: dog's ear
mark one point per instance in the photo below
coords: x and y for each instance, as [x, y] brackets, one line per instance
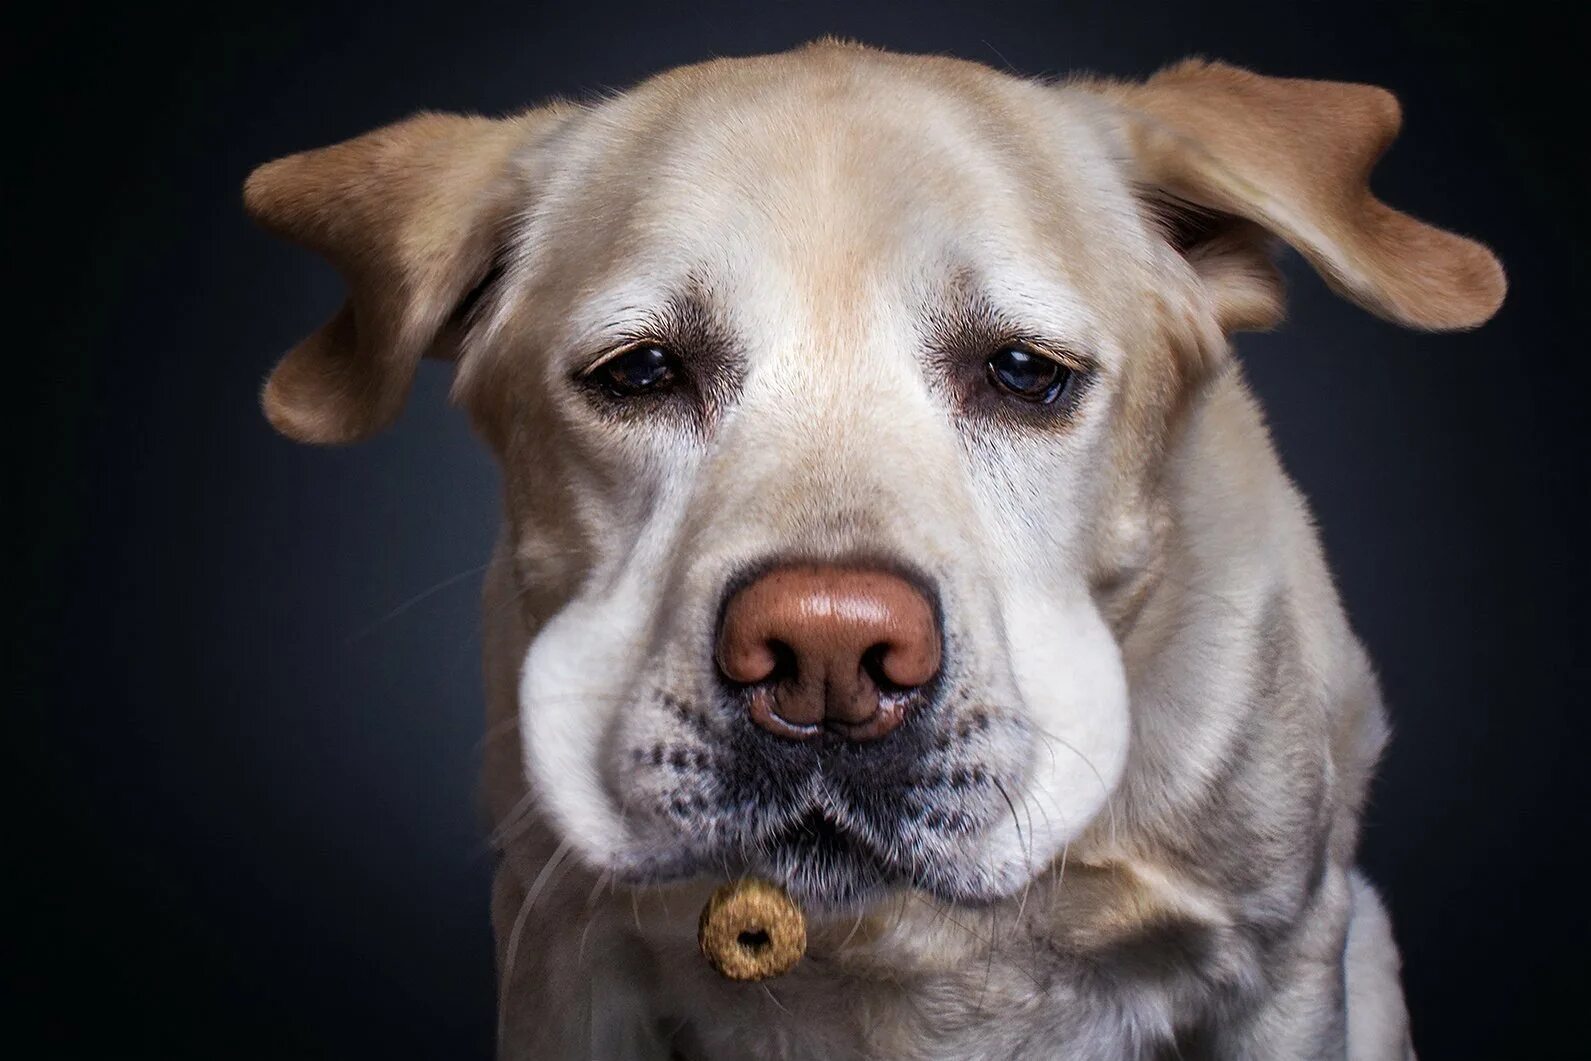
[1229, 156]
[410, 215]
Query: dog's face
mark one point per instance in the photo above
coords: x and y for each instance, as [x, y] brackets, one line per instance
[831, 392]
[826, 332]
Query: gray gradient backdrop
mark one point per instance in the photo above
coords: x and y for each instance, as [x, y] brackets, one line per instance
[248, 708]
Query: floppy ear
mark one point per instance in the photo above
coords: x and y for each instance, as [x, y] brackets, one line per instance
[410, 215]
[1292, 158]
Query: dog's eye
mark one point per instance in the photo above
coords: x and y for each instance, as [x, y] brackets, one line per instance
[641, 369]
[1028, 376]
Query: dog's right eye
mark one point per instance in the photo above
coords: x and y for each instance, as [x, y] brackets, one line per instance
[636, 371]
[1027, 376]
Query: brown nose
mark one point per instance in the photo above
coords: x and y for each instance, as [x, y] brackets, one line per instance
[828, 648]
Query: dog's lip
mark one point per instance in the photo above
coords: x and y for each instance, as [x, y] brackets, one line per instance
[858, 889]
[813, 829]
[814, 832]
[825, 865]
[848, 874]
[816, 841]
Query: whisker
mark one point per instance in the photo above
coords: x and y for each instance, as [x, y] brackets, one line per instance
[518, 929]
[1016, 823]
[985, 941]
[988, 965]
[604, 880]
[506, 991]
[860, 917]
[591, 901]
[509, 829]
[771, 998]
[496, 731]
[546, 871]
[1110, 803]
[446, 583]
[944, 915]
[1058, 870]
[1022, 904]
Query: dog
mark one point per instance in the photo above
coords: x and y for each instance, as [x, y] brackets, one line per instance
[885, 516]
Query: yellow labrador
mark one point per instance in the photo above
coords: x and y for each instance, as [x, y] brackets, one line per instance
[885, 515]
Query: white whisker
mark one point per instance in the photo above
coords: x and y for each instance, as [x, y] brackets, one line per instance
[452, 580]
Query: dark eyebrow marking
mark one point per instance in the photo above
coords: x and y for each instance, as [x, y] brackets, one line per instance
[705, 341]
[964, 322]
[690, 325]
[962, 327]
[686, 322]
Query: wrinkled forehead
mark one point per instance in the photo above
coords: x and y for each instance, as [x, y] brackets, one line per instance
[824, 184]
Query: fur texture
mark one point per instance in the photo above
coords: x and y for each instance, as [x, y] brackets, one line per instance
[1123, 822]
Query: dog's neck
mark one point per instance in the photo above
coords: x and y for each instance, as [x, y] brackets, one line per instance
[1256, 719]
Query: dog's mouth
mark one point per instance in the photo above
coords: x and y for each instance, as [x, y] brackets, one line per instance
[822, 864]
[840, 829]
[825, 864]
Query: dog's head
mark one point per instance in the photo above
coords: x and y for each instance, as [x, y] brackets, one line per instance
[831, 391]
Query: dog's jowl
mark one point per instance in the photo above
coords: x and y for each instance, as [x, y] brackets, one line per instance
[886, 519]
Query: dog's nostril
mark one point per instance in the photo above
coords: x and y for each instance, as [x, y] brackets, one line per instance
[752, 662]
[897, 667]
[878, 671]
[786, 667]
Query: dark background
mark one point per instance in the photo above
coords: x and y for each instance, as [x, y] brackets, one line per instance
[247, 710]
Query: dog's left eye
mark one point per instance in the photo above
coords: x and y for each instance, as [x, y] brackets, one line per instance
[636, 371]
[1028, 376]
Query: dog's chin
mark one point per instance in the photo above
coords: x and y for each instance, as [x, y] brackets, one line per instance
[826, 869]
[823, 867]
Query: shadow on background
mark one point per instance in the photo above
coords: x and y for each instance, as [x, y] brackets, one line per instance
[249, 735]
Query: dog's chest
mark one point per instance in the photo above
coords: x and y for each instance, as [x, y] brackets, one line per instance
[1102, 968]
[1007, 1005]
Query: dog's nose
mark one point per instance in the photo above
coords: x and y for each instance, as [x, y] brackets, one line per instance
[825, 647]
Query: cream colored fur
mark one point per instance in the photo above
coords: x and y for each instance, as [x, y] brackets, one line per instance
[1144, 651]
